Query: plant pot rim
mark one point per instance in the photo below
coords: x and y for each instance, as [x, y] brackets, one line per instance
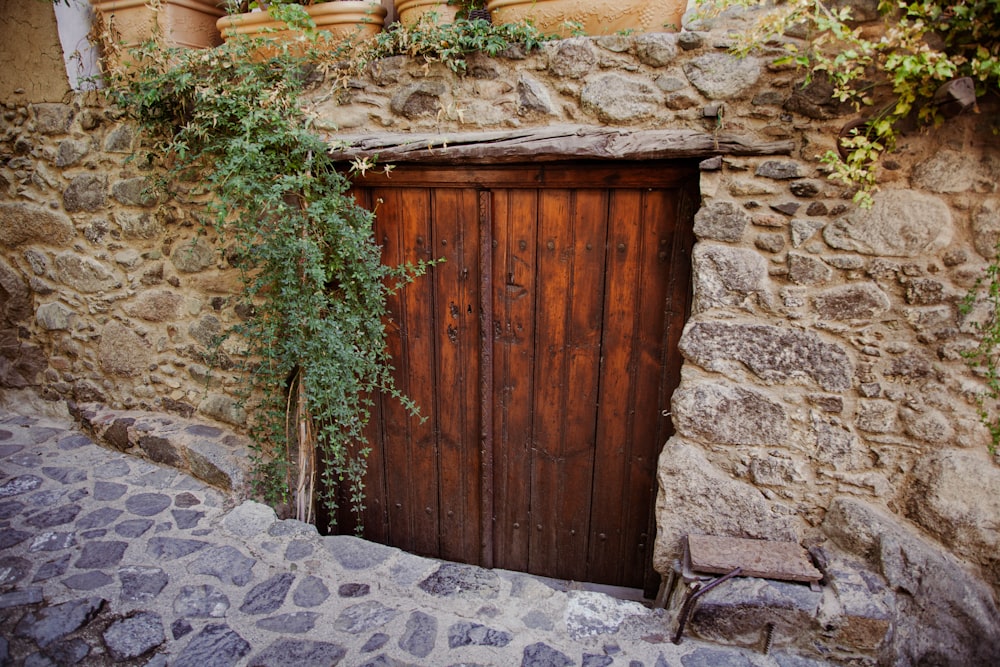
[206, 6]
[250, 19]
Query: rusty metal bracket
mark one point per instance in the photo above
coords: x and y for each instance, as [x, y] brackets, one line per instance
[694, 592]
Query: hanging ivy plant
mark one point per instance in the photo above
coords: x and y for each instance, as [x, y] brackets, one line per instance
[314, 284]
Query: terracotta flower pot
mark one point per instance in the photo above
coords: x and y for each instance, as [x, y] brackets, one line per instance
[187, 23]
[345, 20]
[410, 12]
[598, 17]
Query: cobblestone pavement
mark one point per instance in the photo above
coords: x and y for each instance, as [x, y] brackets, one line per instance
[106, 558]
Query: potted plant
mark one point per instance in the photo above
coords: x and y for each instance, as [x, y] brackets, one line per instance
[409, 12]
[186, 23]
[593, 17]
[340, 20]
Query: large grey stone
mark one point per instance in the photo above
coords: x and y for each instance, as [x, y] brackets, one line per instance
[943, 614]
[571, 58]
[71, 151]
[155, 305]
[299, 652]
[728, 415]
[735, 613]
[52, 117]
[533, 96]
[54, 316]
[84, 273]
[141, 583]
[540, 654]
[134, 192]
[22, 223]
[419, 99]
[311, 592]
[456, 579]
[171, 548]
[465, 633]
[203, 601]
[193, 256]
[16, 302]
[954, 498]
[121, 351]
[857, 301]
[697, 497]
[420, 634]
[945, 171]
[225, 409]
[774, 354]
[217, 645]
[353, 553]
[135, 635]
[217, 464]
[88, 192]
[248, 519]
[986, 228]
[364, 617]
[720, 76]
[55, 622]
[101, 554]
[615, 98]
[808, 270]
[296, 622]
[656, 49]
[589, 613]
[721, 221]
[225, 563]
[147, 504]
[268, 595]
[15, 486]
[901, 223]
[728, 277]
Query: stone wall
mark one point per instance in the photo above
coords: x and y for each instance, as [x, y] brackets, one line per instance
[824, 398]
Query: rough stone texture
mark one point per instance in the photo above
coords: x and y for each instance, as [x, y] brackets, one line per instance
[614, 98]
[901, 223]
[729, 277]
[852, 302]
[773, 354]
[728, 415]
[299, 652]
[945, 171]
[133, 636]
[703, 499]
[953, 498]
[122, 352]
[84, 273]
[721, 221]
[23, 223]
[720, 76]
[927, 579]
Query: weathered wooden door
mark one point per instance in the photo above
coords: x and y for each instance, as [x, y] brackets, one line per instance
[542, 354]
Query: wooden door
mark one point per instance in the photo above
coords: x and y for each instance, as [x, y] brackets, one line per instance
[542, 353]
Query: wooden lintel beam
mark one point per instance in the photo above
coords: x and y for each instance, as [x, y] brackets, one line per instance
[548, 144]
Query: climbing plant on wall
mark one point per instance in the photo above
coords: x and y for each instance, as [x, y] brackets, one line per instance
[912, 68]
[230, 120]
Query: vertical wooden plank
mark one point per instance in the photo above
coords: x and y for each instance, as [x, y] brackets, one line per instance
[586, 226]
[486, 435]
[554, 298]
[456, 301]
[513, 322]
[649, 353]
[608, 511]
